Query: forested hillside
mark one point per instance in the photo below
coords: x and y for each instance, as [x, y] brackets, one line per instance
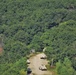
[37, 24]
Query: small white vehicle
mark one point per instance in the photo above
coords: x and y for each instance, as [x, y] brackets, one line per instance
[43, 57]
[28, 61]
[42, 67]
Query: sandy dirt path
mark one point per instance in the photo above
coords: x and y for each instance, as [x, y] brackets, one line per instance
[36, 62]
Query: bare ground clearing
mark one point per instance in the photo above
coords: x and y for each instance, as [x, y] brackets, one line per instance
[36, 62]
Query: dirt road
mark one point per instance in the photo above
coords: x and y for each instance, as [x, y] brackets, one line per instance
[36, 62]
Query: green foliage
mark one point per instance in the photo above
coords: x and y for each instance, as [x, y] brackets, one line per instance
[36, 24]
[13, 69]
[65, 68]
[22, 72]
[60, 41]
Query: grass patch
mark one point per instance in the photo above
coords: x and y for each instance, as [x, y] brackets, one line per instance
[32, 54]
[52, 69]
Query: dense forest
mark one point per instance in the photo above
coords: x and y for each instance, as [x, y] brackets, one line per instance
[38, 24]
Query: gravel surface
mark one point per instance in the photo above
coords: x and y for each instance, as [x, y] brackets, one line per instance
[36, 62]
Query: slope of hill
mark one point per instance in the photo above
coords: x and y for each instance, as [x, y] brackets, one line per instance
[36, 24]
